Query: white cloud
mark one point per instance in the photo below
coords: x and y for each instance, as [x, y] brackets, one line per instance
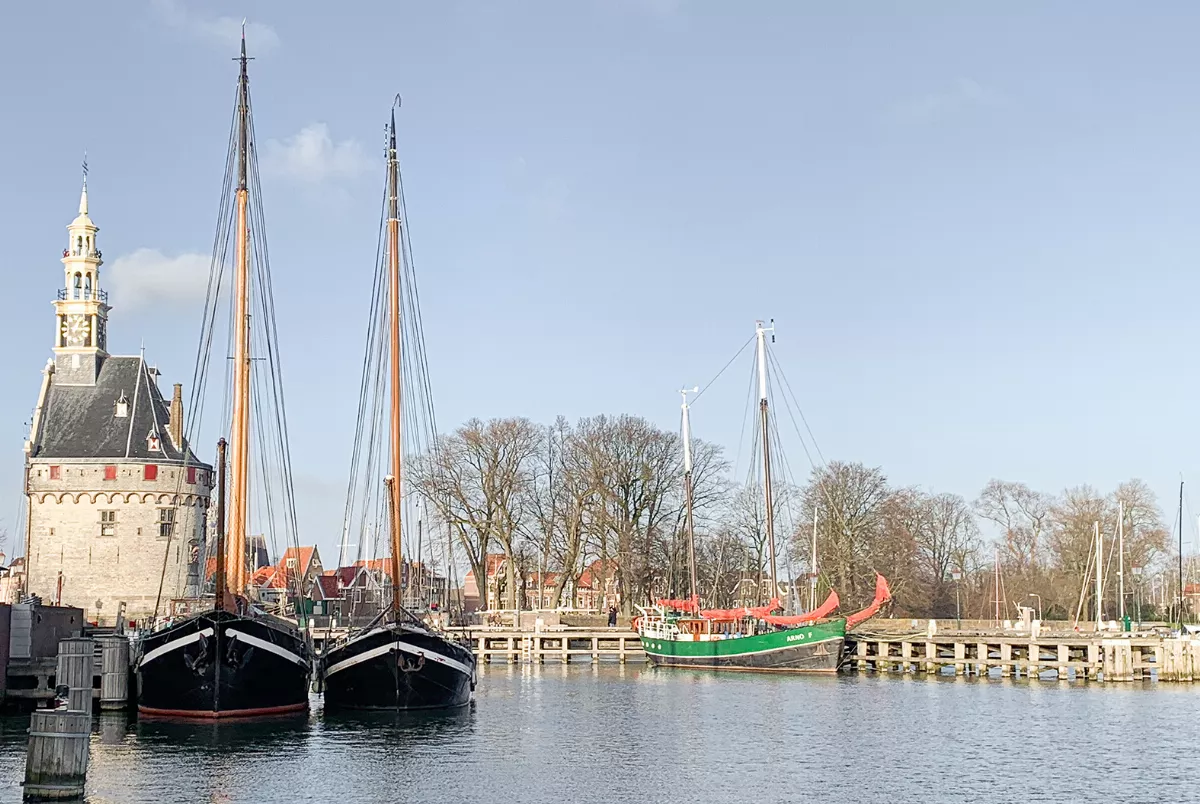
[312, 156]
[224, 31]
[147, 278]
[964, 92]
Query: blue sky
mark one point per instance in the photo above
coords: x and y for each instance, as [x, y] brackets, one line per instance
[976, 231]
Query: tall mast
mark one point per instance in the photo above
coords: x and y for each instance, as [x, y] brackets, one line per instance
[687, 493]
[393, 255]
[761, 334]
[1121, 560]
[1099, 577]
[812, 580]
[1181, 557]
[222, 565]
[239, 436]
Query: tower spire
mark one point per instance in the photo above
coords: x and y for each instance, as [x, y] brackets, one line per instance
[83, 204]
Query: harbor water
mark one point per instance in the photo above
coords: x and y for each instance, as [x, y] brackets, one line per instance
[618, 734]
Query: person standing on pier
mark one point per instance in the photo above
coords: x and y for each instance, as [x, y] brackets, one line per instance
[612, 616]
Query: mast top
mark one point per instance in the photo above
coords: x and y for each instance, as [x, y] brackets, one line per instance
[687, 429]
[243, 112]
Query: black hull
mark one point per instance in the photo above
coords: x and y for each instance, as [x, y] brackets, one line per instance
[219, 664]
[400, 668]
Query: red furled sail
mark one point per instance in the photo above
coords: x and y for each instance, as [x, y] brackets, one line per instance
[824, 610]
[882, 595]
[737, 614]
[680, 605]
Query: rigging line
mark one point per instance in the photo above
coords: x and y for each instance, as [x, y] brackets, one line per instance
[745, 420]
[195, 406]
[365, 385]
[723, 368]
[788, 407]
[800, 410]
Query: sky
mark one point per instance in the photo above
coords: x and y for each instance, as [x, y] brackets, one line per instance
[975, 231]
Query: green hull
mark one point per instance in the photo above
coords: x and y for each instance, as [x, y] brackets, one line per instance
[812, 649]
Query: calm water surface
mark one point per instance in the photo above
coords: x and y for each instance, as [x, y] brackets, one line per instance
[636, 734]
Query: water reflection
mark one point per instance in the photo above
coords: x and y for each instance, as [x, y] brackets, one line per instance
[555, 733]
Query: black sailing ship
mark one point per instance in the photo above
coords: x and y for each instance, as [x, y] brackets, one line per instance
[235, 659]
[396, 662]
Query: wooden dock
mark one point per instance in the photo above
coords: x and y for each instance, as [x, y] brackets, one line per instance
[561, 644]
[1102, 657]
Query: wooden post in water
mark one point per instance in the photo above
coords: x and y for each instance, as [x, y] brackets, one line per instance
[59, 739]
[114, 678]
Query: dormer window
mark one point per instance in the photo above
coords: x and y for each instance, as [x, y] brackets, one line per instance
[122, 407]
[153, 442]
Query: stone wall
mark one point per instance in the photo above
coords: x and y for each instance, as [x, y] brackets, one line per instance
[99, 570]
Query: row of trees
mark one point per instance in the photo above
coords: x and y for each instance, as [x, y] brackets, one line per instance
[559, 498]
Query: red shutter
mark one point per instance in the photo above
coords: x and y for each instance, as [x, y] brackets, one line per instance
[110, 473]
[54, 472]
[191, 474]
[151, 472]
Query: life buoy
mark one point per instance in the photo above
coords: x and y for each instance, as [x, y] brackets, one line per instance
[634, 623]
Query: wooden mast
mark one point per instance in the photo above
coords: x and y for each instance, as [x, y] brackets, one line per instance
[219, 576]
[689, 522]
[761, 333]
[240, 425]
[395, 487]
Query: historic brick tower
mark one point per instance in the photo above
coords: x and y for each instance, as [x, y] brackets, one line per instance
[117, 502]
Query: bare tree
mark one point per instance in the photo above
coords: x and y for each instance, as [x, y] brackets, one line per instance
[479, 479]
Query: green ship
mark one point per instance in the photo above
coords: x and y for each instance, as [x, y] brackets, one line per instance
[678, 633]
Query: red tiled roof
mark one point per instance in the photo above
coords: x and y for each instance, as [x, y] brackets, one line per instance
[269, 578]
[304, 557]
[328, 584]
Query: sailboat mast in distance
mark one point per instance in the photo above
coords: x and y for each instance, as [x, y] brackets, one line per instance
[761, 334]
[687, 492]
[240, 425]
[394, 323]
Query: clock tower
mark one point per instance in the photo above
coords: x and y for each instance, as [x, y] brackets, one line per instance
[81, 309]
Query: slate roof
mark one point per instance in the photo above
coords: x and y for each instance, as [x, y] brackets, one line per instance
[79, 421]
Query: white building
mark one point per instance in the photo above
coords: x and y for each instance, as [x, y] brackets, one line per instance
[116, 501]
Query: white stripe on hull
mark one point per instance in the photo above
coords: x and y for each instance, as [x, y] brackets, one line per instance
[270, 647]
[175, 644]
[400, 646]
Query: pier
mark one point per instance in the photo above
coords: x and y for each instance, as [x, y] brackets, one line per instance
[1053, 653]
[883, 646]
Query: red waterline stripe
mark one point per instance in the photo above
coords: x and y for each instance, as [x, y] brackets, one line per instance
[199, 714]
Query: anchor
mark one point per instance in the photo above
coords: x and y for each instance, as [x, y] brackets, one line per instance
[415, 667]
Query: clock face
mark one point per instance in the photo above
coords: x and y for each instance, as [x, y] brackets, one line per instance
[75, 329]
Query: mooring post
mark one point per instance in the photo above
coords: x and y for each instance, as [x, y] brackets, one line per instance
[57, 757]
[114, 678]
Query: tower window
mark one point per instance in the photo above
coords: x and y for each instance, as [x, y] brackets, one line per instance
[54, 472]
[108, 523]
[150, 472]
[166, 522]
[110, 473]
[78, 285]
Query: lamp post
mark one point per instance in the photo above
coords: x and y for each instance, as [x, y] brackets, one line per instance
[957, 576]
[1039, 597]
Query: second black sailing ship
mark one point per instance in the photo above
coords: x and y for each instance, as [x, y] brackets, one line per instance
[395, 662]
[235, 659]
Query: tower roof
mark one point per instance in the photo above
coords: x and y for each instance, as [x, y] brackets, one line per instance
[82, 220]
[80, 421]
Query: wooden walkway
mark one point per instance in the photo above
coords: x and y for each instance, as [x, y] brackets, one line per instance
[1108, 658]
[562, 644]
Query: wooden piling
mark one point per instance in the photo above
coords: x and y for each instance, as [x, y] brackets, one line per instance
[57, 757]
[76, 666]
[114, 677]
[59, 739]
